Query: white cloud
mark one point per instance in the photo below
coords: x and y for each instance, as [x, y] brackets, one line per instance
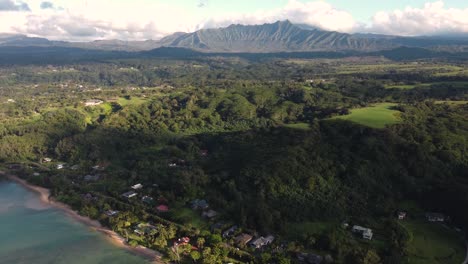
[317, 13]
[140, 19]
[432, 19]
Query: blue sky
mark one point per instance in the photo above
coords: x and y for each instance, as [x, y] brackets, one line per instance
[81, 20]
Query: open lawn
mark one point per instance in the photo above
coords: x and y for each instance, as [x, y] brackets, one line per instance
[132, 101]
[426, 85]
[187, 216]
[300, 126]
[376, 116]
[432, 243]
[452, 102]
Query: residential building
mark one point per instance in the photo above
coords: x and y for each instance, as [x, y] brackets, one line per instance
[111, 213]
[401, 215]
[365, 232]
[262, 241]
[210, 214]
[162, 208]
[93, 102]
[243, 239]
[199, 204]
[129, 194]
[230, 232]
[435, 217]
[137, 186]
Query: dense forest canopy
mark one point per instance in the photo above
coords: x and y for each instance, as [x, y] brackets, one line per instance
[276, 154]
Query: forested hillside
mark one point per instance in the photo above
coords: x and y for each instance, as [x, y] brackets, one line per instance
[262, 142]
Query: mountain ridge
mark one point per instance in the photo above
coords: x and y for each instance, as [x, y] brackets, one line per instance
[281, 36]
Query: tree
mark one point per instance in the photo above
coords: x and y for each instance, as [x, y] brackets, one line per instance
[195, 255]
[200, 242]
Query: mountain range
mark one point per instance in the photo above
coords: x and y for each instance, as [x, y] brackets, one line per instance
[282, 36]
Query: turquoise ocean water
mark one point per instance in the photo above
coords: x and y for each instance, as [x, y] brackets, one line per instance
[32, 232]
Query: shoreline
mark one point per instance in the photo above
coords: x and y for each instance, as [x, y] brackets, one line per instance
[111, 236]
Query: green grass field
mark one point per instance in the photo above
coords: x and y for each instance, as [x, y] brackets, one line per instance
[452, 102]
[299, 126]
[188, 216]
[433, 244]
[376, 116]
[132, 101]
[426, 85]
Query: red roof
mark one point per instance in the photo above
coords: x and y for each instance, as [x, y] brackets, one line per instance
[162, 208]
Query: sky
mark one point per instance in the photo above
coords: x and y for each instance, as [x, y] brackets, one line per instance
[85, 20]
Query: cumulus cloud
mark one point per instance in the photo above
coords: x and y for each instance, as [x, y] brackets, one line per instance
[10, 5]
[432, 19]
[318, 13]
[140, 19]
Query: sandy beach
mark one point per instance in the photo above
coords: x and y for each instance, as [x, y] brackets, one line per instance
[113, 237]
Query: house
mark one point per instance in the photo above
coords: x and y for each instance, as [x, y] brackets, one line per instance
[137, 186]
[60, 166]
[182, 241]
[262, 241]
[93, 102]
[98, 167]
[89, 197]
[143, 229]
[111, 213]
[243, 239]
[435, 217]
[129, 194]
[365, 232]
[401, 215]
[11, 101]
[230, 232]
[89, 178]
[199, 204]
[147, 199]
[210, 214]
[162, 208]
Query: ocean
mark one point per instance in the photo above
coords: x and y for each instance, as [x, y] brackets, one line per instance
[32, 232]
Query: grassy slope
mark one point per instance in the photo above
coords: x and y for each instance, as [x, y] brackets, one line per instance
[426, 85]
[377, 116]
[433, 244]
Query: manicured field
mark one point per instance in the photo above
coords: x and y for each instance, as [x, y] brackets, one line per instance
[452, 102]
[188, 216]
[426, 85]
[300, 126]
[407, 86]
[433, 244]
[131, 101]
[376, 116]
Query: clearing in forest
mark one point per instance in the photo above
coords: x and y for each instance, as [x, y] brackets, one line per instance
[376, 116]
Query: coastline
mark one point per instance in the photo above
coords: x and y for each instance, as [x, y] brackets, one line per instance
[113, 237]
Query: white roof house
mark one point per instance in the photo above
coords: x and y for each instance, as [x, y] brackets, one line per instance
[93, 102]
[137, 186]
[365, 232]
